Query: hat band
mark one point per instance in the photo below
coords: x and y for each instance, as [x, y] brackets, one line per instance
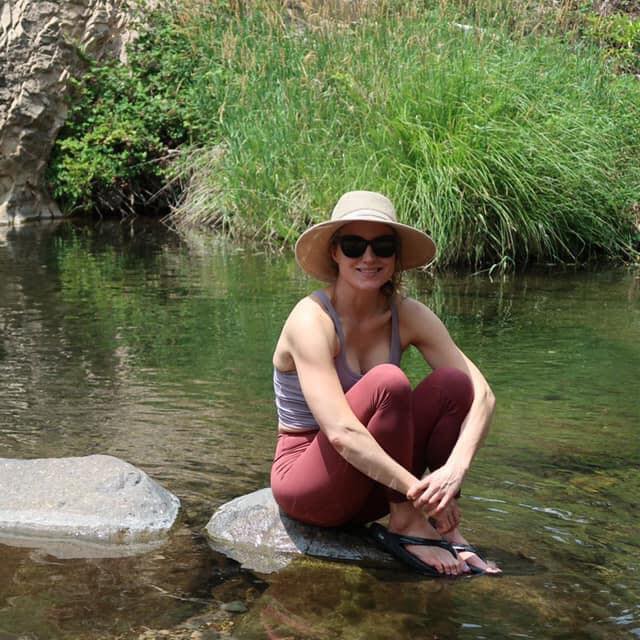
[370, 213]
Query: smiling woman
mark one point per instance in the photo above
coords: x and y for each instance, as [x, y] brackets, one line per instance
[355, 441]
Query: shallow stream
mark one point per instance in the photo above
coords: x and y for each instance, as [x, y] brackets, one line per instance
[128, 340]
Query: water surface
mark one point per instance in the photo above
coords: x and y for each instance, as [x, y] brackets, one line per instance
[129, 340]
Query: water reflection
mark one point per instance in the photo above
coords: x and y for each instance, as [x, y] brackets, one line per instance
[132, 341]
[50, 597]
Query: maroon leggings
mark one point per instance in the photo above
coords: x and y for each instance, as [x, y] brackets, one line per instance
[418, 428]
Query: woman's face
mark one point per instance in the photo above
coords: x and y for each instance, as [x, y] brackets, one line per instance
[368, 271]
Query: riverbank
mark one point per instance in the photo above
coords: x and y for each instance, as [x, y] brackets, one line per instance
[505, 134]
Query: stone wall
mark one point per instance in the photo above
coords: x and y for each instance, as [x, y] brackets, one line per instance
[39, 40]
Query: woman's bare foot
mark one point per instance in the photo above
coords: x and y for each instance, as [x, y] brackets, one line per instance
[406, 520]
[470, 557]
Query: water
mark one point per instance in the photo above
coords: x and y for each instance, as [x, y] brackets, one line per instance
[129, 340]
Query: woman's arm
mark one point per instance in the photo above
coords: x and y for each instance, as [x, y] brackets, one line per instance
[308, 337]
[426, 331]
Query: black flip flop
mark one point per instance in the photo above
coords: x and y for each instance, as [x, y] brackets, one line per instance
[395, 543]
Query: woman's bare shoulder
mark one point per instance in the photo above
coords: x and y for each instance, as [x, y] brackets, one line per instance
[409, 308]
[307, 311]
[307, 322]
[417, 321]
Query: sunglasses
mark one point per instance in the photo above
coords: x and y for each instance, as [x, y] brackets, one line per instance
[355, 246]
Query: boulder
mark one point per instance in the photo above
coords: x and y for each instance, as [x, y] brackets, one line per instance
[92, 505]
[252, 530]
[39, 57]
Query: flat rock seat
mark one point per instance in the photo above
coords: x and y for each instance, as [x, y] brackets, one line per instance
[85, 505]
[252, 530]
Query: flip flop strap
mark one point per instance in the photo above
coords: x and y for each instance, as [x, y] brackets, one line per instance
[465, 547]
[426, 542]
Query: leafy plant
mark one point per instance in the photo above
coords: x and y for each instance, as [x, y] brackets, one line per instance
[124, 123]
[619, 35]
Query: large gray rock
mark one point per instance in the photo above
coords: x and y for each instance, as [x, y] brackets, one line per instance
[39, 42]
[82, 505]
[252, 530]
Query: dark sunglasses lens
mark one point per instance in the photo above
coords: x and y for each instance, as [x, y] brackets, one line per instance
[353, 246]
[384, 246]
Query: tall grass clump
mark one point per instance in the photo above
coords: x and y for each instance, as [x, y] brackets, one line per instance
[506, 149]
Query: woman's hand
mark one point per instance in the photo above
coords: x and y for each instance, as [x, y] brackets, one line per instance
[433, 494]
[449, 518]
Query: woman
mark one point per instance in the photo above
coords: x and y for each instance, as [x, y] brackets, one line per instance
[355, 441]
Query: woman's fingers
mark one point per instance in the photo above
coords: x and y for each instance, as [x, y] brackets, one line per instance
[443, 503]
[418, 488]
[435, 490]
[428, 496]
[432, 501]
[449, 522]
[449, 518]
[427, 503]
[457, 516]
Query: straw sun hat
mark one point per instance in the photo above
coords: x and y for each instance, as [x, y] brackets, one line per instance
[313, 247]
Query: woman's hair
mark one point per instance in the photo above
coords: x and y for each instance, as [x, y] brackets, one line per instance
[392, 286]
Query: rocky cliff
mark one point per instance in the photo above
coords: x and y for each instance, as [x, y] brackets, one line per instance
[39, 45]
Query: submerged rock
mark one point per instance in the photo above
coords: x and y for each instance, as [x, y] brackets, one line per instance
[252, 530]
[82, 503]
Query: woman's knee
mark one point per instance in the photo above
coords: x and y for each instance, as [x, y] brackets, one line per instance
[391, 381]
[455, 384]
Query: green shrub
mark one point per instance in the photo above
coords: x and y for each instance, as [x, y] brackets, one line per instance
[124, 122]
[619, 37]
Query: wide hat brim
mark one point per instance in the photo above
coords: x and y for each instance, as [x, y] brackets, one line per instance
[313, 252]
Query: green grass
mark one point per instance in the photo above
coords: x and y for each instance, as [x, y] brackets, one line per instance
[507, 145]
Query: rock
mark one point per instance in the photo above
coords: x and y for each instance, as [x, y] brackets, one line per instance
[234, 607]
[39, 44]
[252, 530]
[83, 504]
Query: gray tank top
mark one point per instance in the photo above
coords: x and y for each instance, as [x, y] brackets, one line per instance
[292, 408]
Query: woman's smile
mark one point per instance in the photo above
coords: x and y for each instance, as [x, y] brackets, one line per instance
[369, 271]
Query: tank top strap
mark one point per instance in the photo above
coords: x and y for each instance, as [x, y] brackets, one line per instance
[333, 314]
